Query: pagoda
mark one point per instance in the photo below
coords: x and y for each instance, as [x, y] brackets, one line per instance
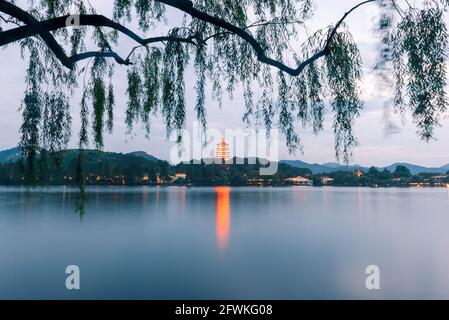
[222, 151]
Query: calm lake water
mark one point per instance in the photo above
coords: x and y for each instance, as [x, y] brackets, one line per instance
[225, 243]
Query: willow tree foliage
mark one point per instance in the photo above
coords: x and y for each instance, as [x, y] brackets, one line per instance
[300, 75]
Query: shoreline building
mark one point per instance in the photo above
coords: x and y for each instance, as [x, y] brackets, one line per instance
[299, 181]
[222, 150]
[326, 181]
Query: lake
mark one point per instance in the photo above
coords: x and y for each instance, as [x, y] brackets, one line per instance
[224, 243]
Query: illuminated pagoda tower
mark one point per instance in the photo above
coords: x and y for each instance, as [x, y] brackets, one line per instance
[222, 151]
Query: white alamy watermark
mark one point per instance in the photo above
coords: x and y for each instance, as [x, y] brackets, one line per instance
[230, 146]
[73, 20]
[72, 282]
[373, 280]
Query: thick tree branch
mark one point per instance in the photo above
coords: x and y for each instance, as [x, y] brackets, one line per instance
[97, 54]
[38, 28]
[187, 7]
[93, 20]
[27, 18]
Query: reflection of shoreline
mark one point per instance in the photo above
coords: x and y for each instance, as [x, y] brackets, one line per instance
[74, 188]
[223, 216]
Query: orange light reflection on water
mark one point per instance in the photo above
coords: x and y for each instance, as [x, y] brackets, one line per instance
[223, 216]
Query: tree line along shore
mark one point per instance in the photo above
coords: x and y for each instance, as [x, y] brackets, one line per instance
[107, 168]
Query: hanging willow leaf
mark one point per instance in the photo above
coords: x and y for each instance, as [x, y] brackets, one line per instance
[134, 98]
[57, 122]
[175, 59]
[422, 65]
[151, 76]
[286, 118]
[29, 130]
[343, 73]
[110, 108]
[32, 110]
[98, 94]
[200, 68]
[83, 135]
[315, 96]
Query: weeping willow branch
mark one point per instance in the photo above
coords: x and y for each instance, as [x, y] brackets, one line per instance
[38, 28]
[93, 20]
[187, 7]
[44, 27]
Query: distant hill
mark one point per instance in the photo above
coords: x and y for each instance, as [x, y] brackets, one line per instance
[315, 168]
[14, 154]
[10, 155]
[333, 167]
[322, 168]
[414, 169]
[144, 155]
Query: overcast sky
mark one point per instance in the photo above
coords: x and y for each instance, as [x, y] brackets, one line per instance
[376, 148]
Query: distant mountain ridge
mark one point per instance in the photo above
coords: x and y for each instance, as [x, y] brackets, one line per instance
[322, 168]
[333, 166]
[415, 169]
[14, 154]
